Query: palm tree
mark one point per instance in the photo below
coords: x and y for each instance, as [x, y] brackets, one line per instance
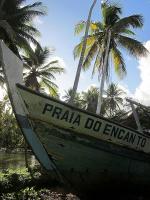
[77, 101]
[104, 40]
[113, 99]
[40, 74]
[74, 90]
[16, 27]
[90, 99]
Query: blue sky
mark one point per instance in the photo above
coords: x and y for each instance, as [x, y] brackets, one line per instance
[57, 30]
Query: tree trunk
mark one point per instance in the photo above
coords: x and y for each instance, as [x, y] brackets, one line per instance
[82, 55]
[100, 99]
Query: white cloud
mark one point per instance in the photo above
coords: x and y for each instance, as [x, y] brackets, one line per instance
[126, 90]
[142, 92]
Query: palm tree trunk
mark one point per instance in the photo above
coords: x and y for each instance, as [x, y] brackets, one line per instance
[82, 54]
[100, 99]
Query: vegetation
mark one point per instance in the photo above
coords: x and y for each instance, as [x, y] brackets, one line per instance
[113, 99]
[90, 99]
[16, 27]
[87, 100]
[40, 73]
[10, 134]
[18, 184]
[104, 41]
[77, 98]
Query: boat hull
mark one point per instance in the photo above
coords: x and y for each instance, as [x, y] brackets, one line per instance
[84, 160]
[85, 163]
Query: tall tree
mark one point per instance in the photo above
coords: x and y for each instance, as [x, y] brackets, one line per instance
[104, 41]
[82, 53]
[77, 101]
[10, 134]
[16, 23]
[113, 99]
[90, 99]
[40, 73]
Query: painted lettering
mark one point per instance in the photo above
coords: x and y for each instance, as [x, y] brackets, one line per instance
[132, 138]
[65, 116]
[77, 120]
[97, 126]
[107, 129]
[139, 139]
[47, 107]
[89, 123]
[143, 143]
[114, 131]
[126, 138]
[57, 112]
[71, 117]
[121, 134]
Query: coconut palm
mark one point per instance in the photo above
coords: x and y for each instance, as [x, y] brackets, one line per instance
[77, 101]
[16, 27]
[90, 99]
[39, 73]
[74, 90]
[104, 41]
[113, 99]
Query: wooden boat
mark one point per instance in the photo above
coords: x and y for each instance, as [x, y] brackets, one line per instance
[77, 146]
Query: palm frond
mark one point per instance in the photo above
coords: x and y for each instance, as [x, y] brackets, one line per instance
[134, 47]
[8, 29]
[24, 15]
[78, 48]
[110, 13]
[80, 27]
[90, 56]
[49, 65]
[135, 21]
[118, 61]
[29, 29]
[24, 44]
[53, 69]
[53, 89]
[49, 82]
[41, 55]
[35, 9]
[98, 61]
[128, 32]
[29, 37]
[31, 81]
[47, 75]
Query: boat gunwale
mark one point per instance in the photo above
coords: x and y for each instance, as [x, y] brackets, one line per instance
[79, 109]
